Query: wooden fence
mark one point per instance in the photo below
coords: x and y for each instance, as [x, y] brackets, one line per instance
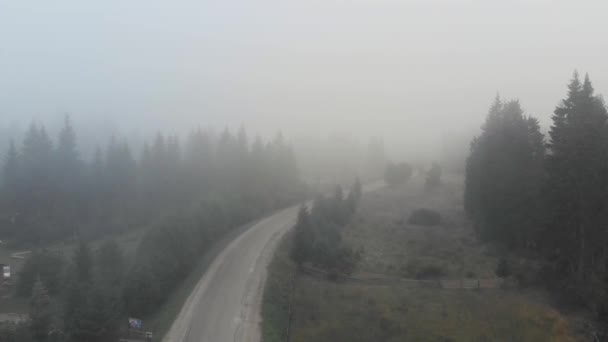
[381, 280]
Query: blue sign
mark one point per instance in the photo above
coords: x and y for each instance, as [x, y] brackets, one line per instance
[135, 323]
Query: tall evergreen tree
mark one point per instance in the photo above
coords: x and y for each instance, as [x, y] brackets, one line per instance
[83, 263]
[36, 170]
[40, 312]
[302, 248]
[504, 170]
[577, 184]
[110, 266]
[68, 178]
[10, 177]
[67, 153]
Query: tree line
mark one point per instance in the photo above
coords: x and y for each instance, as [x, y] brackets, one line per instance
[547, 197]
[74, 299]
[184, 197]
[49, 191]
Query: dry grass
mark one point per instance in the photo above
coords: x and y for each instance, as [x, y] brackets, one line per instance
[391, 244]
[348, 312]
[327, 311]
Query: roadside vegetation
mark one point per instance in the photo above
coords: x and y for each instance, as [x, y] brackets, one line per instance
[278, 293]
[397, 174]
[116, 236]
[318, 237]
[379, 308]
[316, 241]
[545, 199]
[535, 211]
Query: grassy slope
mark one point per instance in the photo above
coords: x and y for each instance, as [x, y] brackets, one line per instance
[278, 294]
[326, 311]
[352, 312]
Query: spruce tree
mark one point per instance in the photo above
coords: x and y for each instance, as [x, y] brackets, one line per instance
[83, 263]
[503, 176]
[67, 154]
[40, 312]
[302, 248]
[36, 171]
[110, 265]
[577, 184]
[10, 177]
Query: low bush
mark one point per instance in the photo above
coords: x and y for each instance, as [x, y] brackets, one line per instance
[425, 217]
[430, 271]
[15, 332]
[503, 269]
[433, 177]
[397, 174]
[416, 268]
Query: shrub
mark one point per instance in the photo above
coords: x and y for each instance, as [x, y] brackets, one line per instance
[503, 270]
[433, 176]
[415, 268]
[425, 217]
[411, 268]
[15, 332]
[430, 271]
[46, 265]
[397, 174]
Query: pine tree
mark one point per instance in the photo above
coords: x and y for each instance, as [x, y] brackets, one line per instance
[503, 176]
[40, 312]
[10, 174]
[577, 183]
[68, 178]
[121, 177]
[36, 170]
[67, 153]
[110, 265]
[198, 161]
[83, 263]
[41, 265]
[228, 162]
[91, 312]
[92, 315]
[302, 248]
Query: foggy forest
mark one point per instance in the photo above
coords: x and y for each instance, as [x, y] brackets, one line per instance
[319, 171]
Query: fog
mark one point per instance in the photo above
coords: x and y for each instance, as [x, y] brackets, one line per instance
[415, 72]
[329, 170]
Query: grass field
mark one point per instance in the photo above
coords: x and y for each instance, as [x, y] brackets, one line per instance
[325, 311]
[393, 246]
[278, 294]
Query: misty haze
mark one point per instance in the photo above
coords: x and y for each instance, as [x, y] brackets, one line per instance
[303, 171]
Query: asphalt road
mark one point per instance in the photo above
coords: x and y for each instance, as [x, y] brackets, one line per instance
[225, 305]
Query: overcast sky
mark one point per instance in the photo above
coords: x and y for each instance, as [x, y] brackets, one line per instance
[385, 67]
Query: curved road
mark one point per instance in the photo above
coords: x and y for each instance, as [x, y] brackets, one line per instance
[225, 304]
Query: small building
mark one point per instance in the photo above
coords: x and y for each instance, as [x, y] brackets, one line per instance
[5, 272]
